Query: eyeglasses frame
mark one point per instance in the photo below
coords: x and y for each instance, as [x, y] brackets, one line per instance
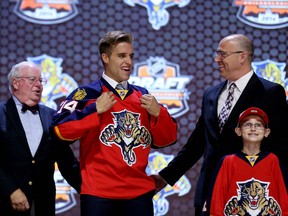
[33, 79]
[223, 54]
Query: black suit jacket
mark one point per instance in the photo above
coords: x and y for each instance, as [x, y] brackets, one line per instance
[33, 175]
[206, 140]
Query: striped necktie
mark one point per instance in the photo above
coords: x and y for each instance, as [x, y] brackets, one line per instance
[121, 90]
[227, 107]
[119, 86]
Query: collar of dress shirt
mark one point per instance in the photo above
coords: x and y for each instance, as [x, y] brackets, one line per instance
[242, 82]
[112, 82]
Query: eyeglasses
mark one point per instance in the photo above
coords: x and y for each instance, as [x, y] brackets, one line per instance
[248, 125]
[223, 54]
[32, 79]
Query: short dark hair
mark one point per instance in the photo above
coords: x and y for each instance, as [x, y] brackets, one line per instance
[111, 39]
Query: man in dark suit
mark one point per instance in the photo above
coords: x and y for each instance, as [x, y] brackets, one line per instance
[28, 150]
[234, 57]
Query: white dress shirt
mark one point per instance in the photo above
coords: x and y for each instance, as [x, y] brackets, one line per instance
[112, 82]
[32, 126]
[240, 86]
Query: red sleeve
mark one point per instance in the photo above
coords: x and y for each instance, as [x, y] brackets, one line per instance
[220, 188]
[163, 129]
[73, 130]
[283, 197]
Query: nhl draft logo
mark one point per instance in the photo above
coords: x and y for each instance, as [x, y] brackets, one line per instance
[163, 80]
[272, 71]
[65, 194]
[263, 14]
[156, 162]
[46, 11]
[58, 84]
[157, 13]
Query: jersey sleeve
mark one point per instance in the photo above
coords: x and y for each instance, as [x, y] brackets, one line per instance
[283, 196]
[76, 114]
[163, 129]
[220, 188]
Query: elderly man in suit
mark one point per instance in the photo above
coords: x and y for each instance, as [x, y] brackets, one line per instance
[214, 134]
[28, 150]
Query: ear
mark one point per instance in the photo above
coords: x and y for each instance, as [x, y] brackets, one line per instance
[267, 132]
[105, 58]
[243, 56]
[15, 83]
[238, 131]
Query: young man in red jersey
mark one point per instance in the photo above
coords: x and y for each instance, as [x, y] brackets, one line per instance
[117, 123]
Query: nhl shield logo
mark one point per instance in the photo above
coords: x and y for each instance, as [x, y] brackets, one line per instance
[46, 11]
[164, 81]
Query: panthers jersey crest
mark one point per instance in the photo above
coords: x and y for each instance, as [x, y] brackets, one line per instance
[253, 199]
[127, 134]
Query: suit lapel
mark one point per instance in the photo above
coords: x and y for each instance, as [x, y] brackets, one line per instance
[248, 96]
[211, 110]
[44, 116]
[12, 115]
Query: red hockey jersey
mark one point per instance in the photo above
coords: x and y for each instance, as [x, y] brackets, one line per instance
[115, 145]
[249, 186]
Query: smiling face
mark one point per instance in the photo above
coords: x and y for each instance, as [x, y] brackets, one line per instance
[26, 84]
[119, 64]
[228, 66]
[252, 129]
[236, 59]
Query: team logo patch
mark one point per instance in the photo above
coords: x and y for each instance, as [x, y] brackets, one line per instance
[163, 80]
[263, 14]
[272, 71]
[156, 162]
[59, 84]
[127, 134]
[46, 11]
[157, 14]
[252, 199]
[80, 94]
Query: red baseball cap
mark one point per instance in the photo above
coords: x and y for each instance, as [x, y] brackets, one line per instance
[253, 111]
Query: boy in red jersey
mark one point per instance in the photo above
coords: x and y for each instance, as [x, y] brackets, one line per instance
[117, 123]
[250, 182]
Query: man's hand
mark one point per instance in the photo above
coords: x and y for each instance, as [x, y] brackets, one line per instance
[159, 182]
[19, 201]
[150, 103]
[105, 102]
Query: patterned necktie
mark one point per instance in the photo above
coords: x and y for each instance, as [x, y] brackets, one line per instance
[121, 90]
[119, 86]
[227, 107]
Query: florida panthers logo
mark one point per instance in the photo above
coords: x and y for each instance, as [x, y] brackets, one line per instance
[127, 134]
[253, 199]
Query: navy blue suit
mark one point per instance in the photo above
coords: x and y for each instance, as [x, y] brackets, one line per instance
[33, 175]
[207, 141]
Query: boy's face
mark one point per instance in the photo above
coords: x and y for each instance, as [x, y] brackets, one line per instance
[252, 129]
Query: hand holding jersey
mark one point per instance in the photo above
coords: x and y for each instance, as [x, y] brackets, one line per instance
[150, 103]
[105, 102]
